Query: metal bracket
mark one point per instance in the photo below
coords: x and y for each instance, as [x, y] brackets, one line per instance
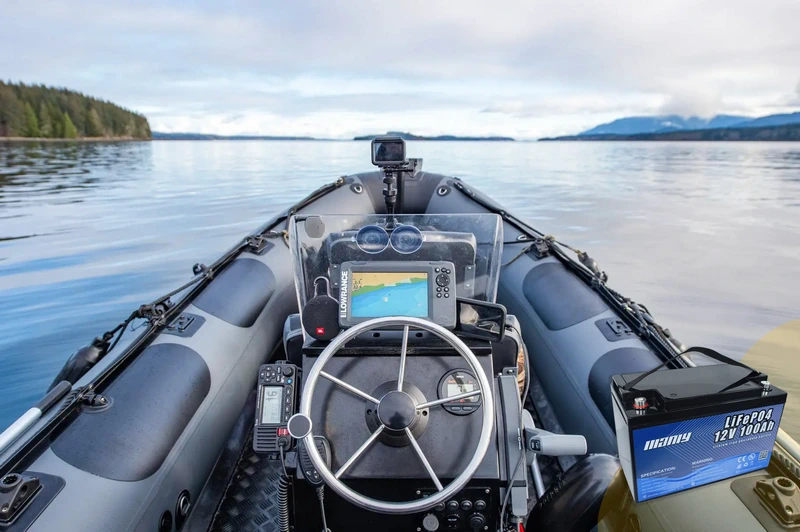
[540, 248]
[258, 244]
[95, 401]
[185, 325]
[155, 313]
[468, 286]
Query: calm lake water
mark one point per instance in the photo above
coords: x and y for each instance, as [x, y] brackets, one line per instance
[707, 235]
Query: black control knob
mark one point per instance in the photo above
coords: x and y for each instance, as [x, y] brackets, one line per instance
[430, 523]
[287, 371]
[476, 522]
[452, 506]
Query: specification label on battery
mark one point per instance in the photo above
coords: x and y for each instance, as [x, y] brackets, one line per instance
[685, 454]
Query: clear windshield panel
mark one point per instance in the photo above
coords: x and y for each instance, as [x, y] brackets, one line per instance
[472, 242]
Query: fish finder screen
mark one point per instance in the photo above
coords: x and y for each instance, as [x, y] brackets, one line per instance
[381, 294]
[271, 405]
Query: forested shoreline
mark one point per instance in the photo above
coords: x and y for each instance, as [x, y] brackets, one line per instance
[37, 111]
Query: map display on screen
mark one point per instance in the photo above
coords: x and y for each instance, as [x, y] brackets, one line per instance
[381, 294]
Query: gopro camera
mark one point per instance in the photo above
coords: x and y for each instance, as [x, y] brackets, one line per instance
[388, 152]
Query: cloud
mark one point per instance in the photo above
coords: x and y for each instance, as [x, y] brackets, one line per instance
[693, 103]
[528, 65]
[796, 99]
[575, 104]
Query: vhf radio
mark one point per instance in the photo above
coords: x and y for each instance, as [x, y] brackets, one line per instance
[275, 404]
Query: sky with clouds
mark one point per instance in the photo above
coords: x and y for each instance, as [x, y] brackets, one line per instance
[338, 68]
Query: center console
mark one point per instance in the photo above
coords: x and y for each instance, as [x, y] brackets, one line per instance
[351, 269]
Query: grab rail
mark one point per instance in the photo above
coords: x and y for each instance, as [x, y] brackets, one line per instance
[32, 415]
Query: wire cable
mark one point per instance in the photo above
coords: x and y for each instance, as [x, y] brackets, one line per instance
[321, 497]
[284, 482]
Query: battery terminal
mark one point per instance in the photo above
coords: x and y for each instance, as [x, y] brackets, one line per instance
[640, 405]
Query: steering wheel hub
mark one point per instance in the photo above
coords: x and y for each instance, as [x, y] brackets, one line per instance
[397, 410]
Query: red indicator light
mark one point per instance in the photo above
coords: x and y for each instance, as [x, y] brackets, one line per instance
[320, 331]
[283, 432]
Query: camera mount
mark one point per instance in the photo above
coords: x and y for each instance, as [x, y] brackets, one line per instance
[389, 154]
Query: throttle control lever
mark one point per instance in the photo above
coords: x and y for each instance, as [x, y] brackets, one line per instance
[539, 441]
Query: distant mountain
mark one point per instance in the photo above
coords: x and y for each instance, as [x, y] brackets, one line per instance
[635, 125]
[157, 135]
[411, 136]
[653, 124]
[771, 120]
[785, 132]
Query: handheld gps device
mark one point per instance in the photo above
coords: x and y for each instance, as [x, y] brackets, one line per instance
[419, 289]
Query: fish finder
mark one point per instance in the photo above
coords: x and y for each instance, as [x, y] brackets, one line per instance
[419, 289]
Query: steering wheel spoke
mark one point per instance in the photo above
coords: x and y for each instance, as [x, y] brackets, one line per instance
[403, 349]
[350, 388]
[450, 399]
[424, 460]
[359, 452]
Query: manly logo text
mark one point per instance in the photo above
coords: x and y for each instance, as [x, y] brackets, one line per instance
[343, 295]
[666, 441]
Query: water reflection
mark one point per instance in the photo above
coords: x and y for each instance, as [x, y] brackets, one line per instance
[706, 234]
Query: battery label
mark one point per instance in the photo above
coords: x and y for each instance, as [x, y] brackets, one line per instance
[685, 454]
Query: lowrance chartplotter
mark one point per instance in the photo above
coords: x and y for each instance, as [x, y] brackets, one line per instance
[397, 288]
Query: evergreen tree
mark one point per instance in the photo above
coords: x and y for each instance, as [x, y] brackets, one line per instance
[63, 114]
[130, 128]
[12, 115]
[94, 126]
[69, 130]
[58, 122]
[45, 122]
[31, 123]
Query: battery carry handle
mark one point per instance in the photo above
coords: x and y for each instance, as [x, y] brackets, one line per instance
[710, 353]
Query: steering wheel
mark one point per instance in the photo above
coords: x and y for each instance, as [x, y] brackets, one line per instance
[396, 411]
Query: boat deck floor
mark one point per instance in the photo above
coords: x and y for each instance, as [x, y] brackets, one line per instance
[250, 502]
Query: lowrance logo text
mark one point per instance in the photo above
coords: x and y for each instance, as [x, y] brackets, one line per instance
[343, 295]
[667, 441]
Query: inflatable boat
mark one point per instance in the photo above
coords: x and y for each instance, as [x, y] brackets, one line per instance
[394, 352]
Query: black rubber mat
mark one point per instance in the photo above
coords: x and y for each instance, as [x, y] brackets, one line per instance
[250, 503]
